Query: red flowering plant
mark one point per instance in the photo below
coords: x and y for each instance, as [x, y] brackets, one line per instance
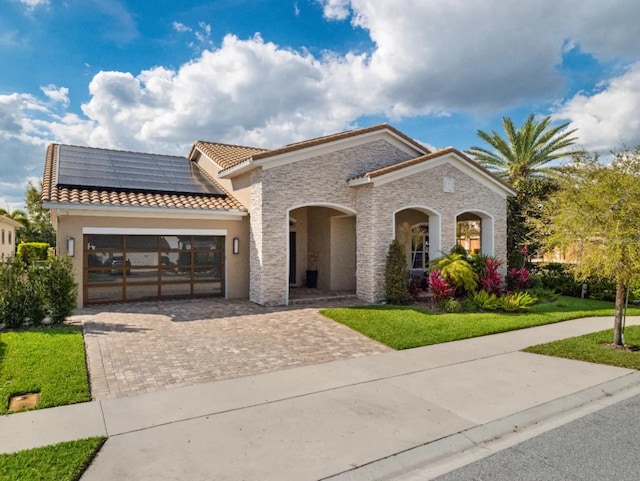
[489, 278]
[518, 279]
[440, 288]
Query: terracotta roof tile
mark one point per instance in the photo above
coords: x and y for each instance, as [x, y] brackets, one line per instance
[51, 192]
[225, 155]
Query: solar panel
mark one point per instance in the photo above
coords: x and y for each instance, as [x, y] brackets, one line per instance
[87, 167]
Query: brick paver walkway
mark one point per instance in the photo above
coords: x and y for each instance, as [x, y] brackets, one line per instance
[143, 347]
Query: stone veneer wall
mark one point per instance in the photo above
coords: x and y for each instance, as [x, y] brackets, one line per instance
[323, 181]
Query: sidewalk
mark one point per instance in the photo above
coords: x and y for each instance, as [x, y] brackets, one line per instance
[358, 419]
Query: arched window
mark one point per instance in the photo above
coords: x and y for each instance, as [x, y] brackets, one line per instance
[469, 232]
[420, 247]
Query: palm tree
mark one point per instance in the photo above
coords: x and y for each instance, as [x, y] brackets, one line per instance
[17, 215]
[521, 158]
[523, 154]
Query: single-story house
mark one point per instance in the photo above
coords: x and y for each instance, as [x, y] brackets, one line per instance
[237, 221]
[8, 228]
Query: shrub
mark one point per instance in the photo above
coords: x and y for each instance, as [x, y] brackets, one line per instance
[457, 271]
[489, 279]
[29, 293]
[485, 301]
[440, 289]
[541, 293]
[560, 278]
[32, 251]
[519, 301]
[518, 279]
[416, 286]
[451, 305]
[396, 289]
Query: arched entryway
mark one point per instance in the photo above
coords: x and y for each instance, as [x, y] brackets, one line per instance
[322, 249]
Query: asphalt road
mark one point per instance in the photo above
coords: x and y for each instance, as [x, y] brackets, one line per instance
[602, 446]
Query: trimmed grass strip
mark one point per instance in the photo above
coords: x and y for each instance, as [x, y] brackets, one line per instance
[404, 327]
[58, 462]
[594, 348]
[48, 360]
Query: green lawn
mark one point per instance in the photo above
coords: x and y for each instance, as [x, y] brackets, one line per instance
[59, 462]
[48, 360]
[593, 348]
[402, 327]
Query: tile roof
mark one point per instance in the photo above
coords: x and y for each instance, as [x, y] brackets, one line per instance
[52, 192]
[431, 156]
[224, 155]
[263, 154]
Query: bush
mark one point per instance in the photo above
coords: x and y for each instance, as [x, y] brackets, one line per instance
[485, 301]
[30, 252]
[560, 278]
[440, 288]
[30, 293]
[396, 289]
[489, 279]
[451, 305]
[457, 271]
[519, 301]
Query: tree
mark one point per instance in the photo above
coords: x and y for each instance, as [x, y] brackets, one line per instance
[521, 158]
[38, 227]
[596, 213]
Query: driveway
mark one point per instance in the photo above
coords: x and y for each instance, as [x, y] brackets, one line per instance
[150, 346]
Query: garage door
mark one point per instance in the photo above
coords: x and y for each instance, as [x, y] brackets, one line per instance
[124, 268]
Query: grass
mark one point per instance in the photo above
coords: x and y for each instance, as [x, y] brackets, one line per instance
[593, 348]
[404, 327]
[59, 462]
[48, 360]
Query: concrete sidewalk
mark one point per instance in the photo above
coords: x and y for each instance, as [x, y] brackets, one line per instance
[376, 417]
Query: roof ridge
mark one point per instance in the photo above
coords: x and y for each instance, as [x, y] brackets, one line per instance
[224, 144]
[137, 152]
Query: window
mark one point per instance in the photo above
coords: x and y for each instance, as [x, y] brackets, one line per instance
[9, 237]
[469, 232]
[2, 236]
[420, 247]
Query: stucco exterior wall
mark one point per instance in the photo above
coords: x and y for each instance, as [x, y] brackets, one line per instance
[237, 266]
[7, 237]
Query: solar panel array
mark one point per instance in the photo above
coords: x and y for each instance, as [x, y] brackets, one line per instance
[89, 168]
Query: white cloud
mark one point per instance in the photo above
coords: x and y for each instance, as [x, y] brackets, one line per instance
[56, 94]
[180, 27]
[32, 4]
[335, 9]
[607, 119]
[432, 58]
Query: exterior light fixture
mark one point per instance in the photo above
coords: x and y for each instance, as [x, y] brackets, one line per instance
[236, 245]
[71, 246]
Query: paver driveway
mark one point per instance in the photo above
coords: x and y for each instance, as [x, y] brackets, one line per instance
[143, 347]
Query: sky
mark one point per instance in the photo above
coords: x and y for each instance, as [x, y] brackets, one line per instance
[156, 76]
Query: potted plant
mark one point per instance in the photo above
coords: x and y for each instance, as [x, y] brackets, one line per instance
[312, 269]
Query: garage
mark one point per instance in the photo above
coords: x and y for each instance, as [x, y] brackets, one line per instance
[124, 267]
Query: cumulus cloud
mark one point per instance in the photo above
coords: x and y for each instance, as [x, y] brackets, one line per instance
[426, 58]
[32, 4]
[60, 95]
[609, 118]
[335, 9]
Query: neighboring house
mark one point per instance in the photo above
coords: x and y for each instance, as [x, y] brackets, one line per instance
[240, 222]
[8, 228]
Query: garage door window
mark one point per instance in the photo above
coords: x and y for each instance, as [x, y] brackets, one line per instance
[138, 267]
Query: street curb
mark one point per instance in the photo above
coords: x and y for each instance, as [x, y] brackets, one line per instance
[436, 458]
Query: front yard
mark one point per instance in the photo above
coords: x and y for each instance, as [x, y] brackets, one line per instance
[50, 361]
[404, 327]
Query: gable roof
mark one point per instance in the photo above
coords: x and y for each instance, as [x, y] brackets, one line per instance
[224, 155]
[236, 159]
[85, 194]
[423, 162]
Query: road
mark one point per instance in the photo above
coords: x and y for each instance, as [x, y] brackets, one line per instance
[602, 446]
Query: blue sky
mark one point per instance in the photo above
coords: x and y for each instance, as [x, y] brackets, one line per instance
[155, 76]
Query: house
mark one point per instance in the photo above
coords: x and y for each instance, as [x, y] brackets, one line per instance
[8, 228]
[239, 222]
